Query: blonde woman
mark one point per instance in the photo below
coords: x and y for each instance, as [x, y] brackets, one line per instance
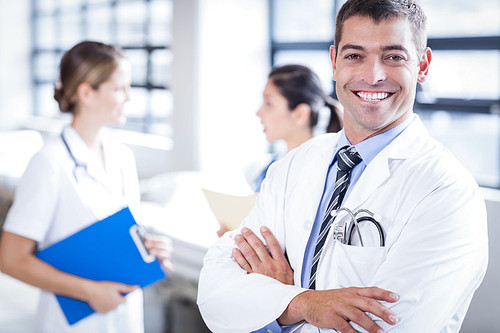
[77, 178]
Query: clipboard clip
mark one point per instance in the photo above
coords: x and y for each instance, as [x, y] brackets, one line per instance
[138, 234]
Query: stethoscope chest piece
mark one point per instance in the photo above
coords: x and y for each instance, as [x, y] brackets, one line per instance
[346, 224]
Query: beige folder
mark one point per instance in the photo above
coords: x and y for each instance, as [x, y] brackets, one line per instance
[230, 210]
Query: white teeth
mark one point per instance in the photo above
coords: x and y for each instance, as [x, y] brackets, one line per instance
[372, 96]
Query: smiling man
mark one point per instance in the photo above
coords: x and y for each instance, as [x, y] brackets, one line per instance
[382, 228]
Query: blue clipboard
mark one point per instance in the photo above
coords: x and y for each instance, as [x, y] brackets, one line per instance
[111, 250]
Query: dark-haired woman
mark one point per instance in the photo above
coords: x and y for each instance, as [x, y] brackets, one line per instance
[292, 101]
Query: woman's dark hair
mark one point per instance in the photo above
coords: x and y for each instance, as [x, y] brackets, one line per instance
[299, 84]
[90, 62]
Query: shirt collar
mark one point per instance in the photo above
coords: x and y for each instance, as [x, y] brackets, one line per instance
[82, 154]
[78, 149]
[371, 147]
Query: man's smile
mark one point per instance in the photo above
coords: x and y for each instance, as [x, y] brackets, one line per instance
[372, 96]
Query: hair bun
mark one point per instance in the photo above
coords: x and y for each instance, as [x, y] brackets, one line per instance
[64, 104]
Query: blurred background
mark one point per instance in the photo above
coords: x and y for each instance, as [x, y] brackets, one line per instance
[199, 68]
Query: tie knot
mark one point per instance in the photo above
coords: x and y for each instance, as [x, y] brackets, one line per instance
[347, 158]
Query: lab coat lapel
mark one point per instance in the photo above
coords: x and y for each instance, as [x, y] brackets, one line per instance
[377, 172]
[374, 175]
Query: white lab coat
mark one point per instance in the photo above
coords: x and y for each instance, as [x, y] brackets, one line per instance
[50, 204]
[434, 219]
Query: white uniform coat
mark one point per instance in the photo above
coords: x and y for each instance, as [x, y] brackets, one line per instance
[434, 219]
[50, 204]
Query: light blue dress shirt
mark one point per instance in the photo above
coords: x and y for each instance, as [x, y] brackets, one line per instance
[368, 149]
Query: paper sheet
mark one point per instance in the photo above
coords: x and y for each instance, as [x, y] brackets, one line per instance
[230, 210]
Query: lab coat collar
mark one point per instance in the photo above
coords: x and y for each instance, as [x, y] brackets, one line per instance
[405, 146]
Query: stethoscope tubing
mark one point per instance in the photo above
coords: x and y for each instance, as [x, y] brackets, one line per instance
[347, 235]
[356, 225]
[79, 164]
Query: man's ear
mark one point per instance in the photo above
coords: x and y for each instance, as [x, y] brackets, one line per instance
[333, 59]
[84, 93]
[301, 114]
[424, 65]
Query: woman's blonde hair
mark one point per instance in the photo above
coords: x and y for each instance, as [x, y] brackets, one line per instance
[87, 62]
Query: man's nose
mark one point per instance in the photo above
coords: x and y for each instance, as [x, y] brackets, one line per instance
[373, 71]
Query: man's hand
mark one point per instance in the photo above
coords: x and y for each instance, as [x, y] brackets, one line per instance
[253, 256]
[334, 308]
[104, 296]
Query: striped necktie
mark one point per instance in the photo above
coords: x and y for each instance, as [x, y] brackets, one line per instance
[347, 158]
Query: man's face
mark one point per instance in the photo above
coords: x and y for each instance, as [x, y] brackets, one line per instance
[376, 70]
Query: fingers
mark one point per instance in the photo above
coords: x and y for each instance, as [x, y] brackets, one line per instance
[256, 243]
[369, 302]
[252, 247]
[126, 288]
[158, 242]
[272, 243]
[362, 319]
[167, 265]
[161, 247]
[378, 293]
[247, 251]
[240, 259]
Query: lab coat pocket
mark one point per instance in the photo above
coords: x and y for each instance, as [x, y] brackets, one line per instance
[357, 265]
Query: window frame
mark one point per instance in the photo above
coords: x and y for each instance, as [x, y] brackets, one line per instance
[142, 123]
[456, 43]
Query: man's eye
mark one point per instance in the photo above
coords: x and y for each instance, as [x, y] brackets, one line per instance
[395, 57]
[352, 57]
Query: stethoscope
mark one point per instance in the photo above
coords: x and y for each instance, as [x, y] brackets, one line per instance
[343, 230]
[78, 165]
[138, 231]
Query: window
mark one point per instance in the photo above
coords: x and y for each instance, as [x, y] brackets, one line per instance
[143, 28]
[460, 101]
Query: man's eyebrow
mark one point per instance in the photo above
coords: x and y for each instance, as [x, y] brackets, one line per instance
[351, 47]
[395, 48]
[385, 48]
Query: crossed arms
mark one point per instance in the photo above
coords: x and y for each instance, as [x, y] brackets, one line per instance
[332, 308]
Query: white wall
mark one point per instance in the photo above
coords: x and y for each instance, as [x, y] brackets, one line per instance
[185, 85]
[234, 65]
[483, 312]
[15, 93]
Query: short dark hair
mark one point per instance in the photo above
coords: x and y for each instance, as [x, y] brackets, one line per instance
[299, 84]
[379, 10]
